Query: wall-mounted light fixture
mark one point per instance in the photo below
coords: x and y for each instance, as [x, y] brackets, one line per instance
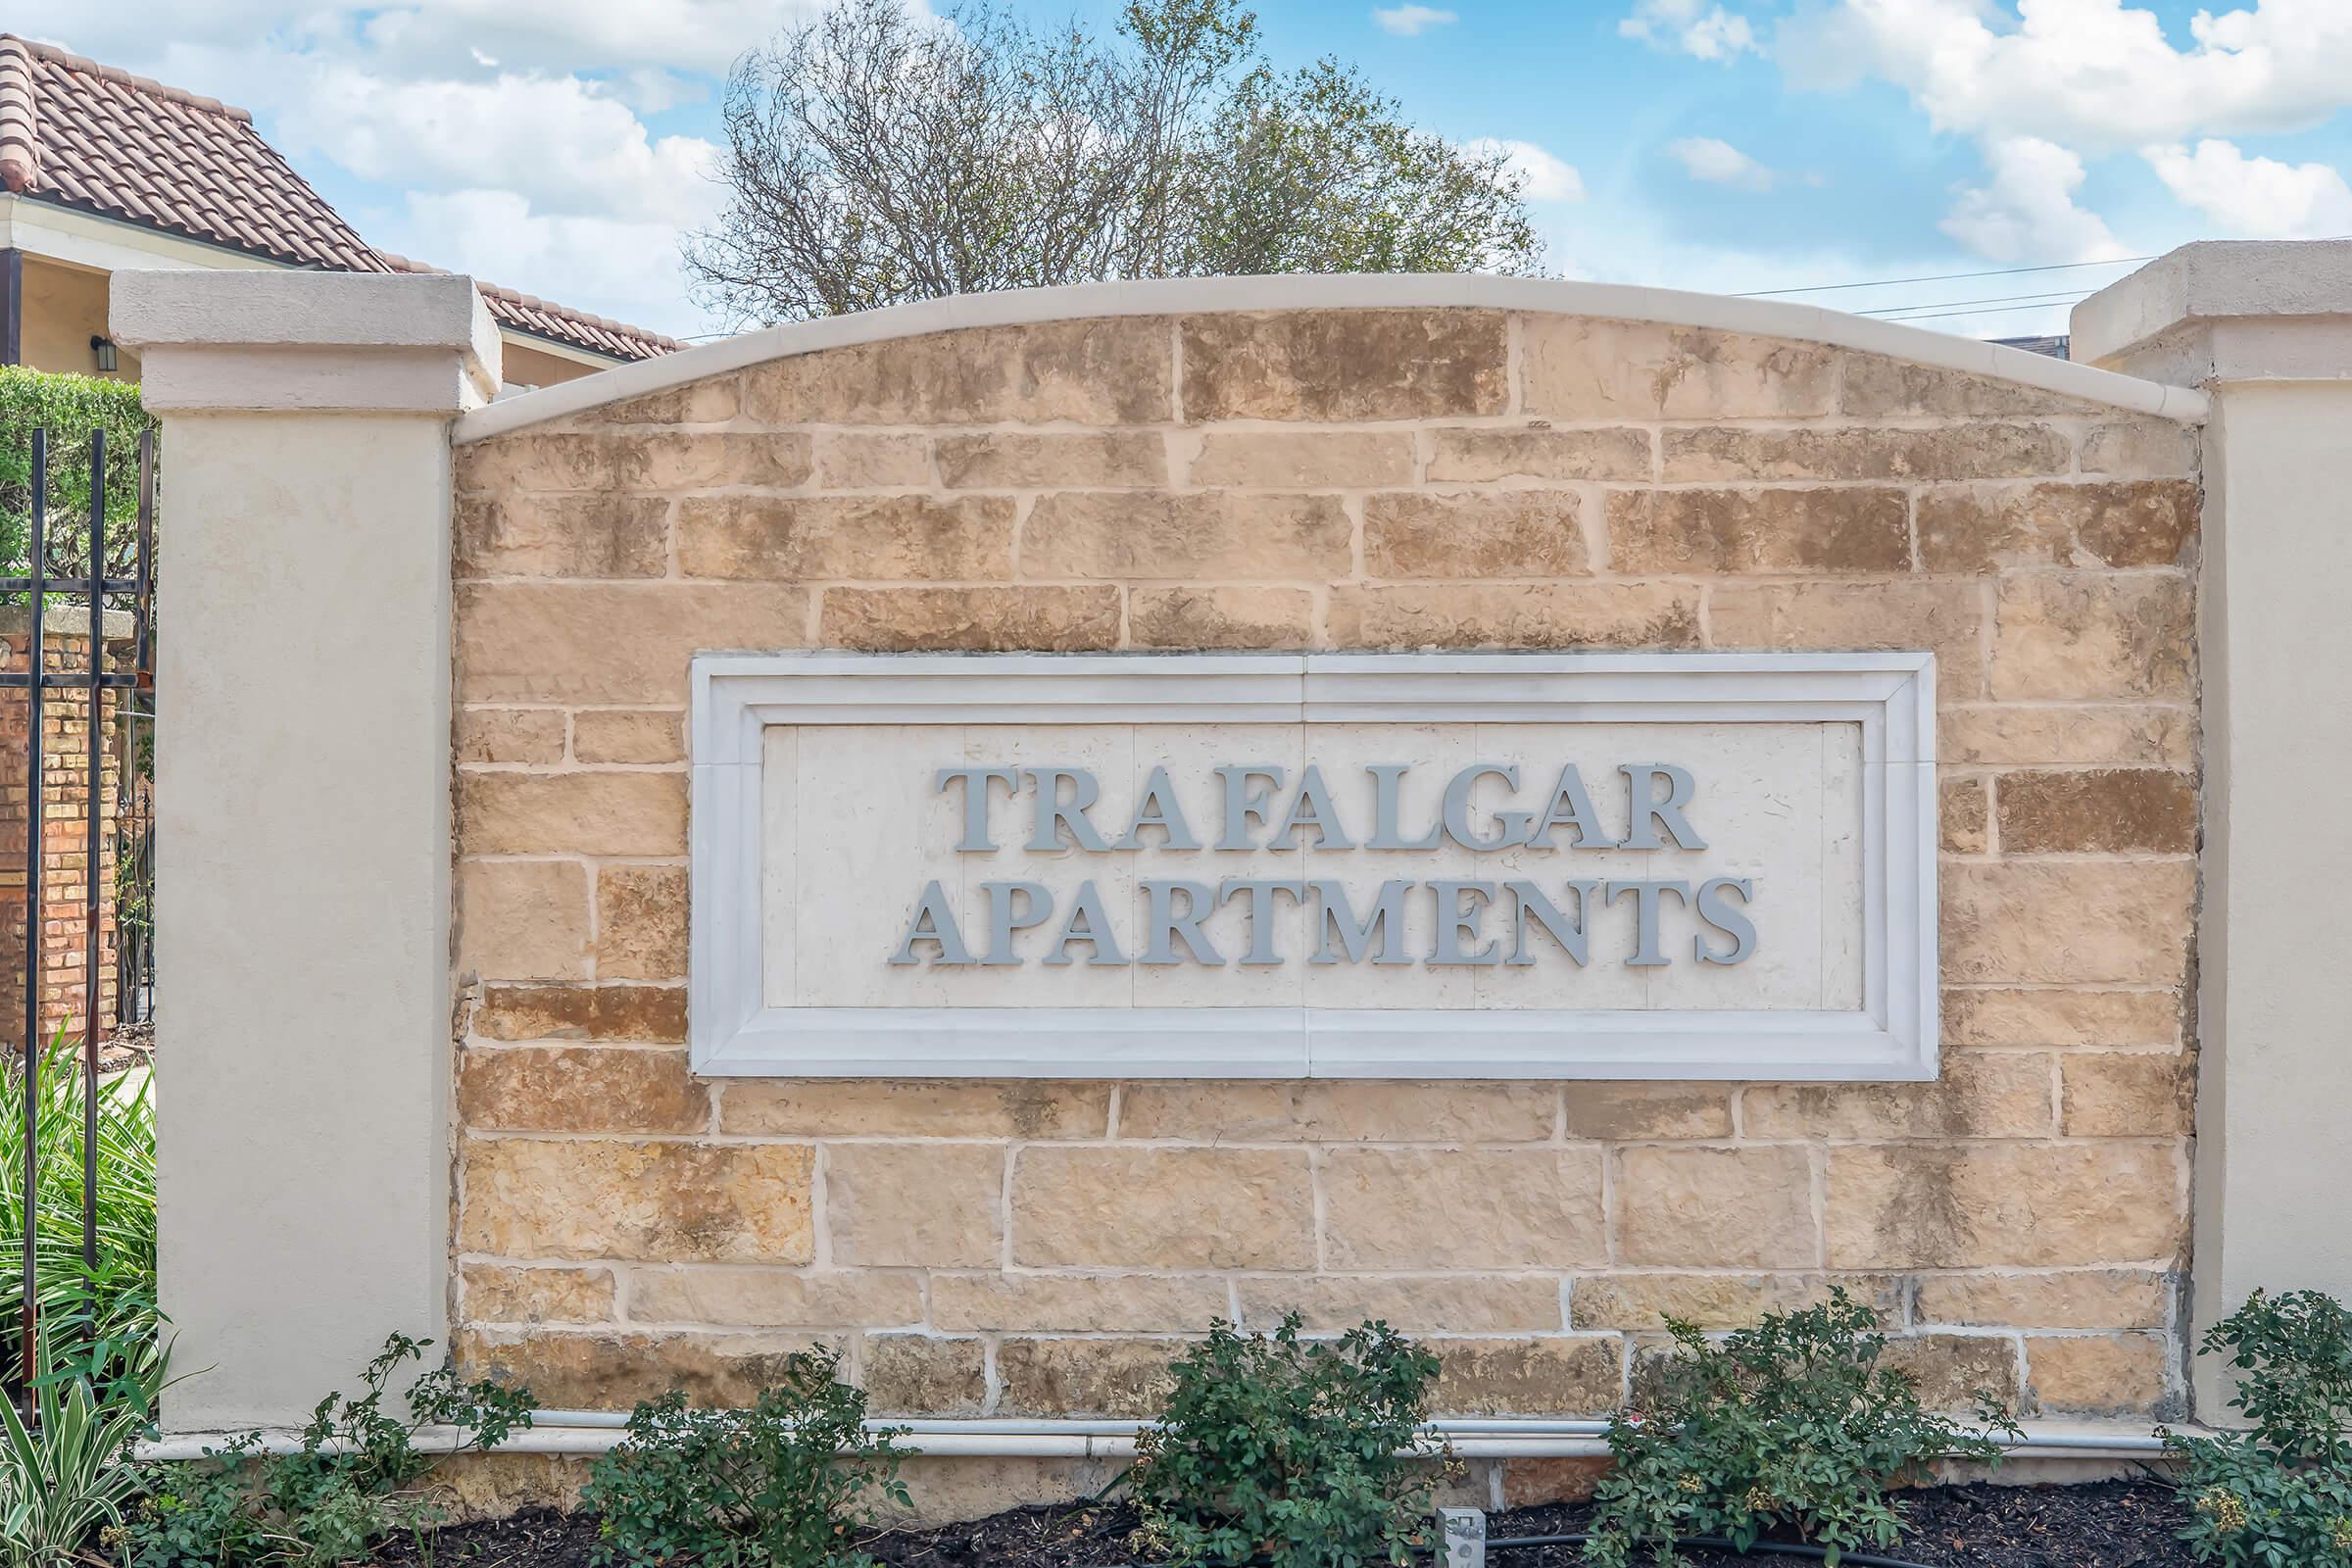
[104, 349]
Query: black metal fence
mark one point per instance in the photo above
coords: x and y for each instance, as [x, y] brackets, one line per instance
[76, 602]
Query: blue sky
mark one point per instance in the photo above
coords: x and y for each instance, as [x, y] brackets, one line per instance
[557, 146]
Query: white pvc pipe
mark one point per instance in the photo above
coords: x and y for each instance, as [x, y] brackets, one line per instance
[594, 1432]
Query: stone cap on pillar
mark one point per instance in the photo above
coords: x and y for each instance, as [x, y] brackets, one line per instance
[2226, 311]
[307, 342]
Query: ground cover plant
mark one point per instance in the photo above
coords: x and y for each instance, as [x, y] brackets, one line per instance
[1302, 1453]
[790, 1482]
[2109, 1524]
[1791, 1423]
[2277, 1495]
[354, 1480]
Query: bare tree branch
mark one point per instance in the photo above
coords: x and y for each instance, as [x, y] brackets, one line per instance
[875, 155]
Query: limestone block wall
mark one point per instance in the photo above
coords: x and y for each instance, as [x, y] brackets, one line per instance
[1333, 479]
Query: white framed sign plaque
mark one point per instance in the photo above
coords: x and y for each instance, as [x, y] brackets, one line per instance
[1367, 865]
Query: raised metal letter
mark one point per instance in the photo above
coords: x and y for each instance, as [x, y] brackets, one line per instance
[1003, 920]
[1261, 891]
[1726, 919]
[1456, 813]
[1311, 808]
[1572, 809]
[1156, 807]
[1242, 807]
[1385, 777]
[1649, 812]
[1162, 925]
[1376, 933]
[942, 930]
[1054, 813]
[975, 802]
[1455, 923]
[1532, 901]
[1103, 947]
[1646, 953]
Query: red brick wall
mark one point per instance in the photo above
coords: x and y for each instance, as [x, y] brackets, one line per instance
[65, 836]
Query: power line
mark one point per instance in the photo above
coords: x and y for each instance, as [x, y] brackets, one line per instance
[1998, 310]
[1946, 278]
[1940, 278]
[2055, 298]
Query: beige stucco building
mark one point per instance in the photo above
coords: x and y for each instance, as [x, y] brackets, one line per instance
[516, 1093]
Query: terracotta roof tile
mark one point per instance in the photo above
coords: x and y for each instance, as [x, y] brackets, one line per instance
[89, 137]
[526, 313]
[101, 140]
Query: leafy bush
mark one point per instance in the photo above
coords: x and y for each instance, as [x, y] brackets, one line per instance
[352, 1482]
[785, 1483]
[1306, 1453]
[2280, 1494]
[1789, 1422]
[69, 408]
[120, 1294]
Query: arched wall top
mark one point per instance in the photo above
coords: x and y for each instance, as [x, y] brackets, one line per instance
[1777, 318]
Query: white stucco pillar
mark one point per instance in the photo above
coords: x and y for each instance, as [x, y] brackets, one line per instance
[2266, 328]
[303, 798]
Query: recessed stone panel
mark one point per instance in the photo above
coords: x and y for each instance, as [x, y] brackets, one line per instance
[1203, 869]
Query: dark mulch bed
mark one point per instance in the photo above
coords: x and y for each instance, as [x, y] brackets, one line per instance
[2114, 1524]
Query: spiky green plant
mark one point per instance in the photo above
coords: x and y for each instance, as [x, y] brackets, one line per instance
[122, 1289]
[63, 1479]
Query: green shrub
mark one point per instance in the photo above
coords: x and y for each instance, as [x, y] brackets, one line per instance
[787, 1483]
[121, 1292]
[69, 408]
[1789, 1422]
[1306, 1453]
[2280, 1494]
[352, 1482]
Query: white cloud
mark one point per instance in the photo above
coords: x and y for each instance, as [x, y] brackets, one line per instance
[1547, 178]
[2026, 213]
[424, 38]
[653, 91]
[1411, 21]
[1719, 163]
[615, 267]
[566, 146]
[2098, 75]
[2255, 198]
[1711, 34]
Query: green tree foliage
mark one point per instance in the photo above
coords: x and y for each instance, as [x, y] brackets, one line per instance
[1789, 1422]
[69, 408]
[1300, 1454]
[876, 156]
[787, 1484]
[2277, 1495]
[1316, 172]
